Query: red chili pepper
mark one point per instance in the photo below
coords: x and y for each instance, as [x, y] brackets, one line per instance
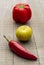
[21, 13]
[21, 51]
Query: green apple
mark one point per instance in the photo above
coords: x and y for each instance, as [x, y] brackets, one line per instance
[24, 33]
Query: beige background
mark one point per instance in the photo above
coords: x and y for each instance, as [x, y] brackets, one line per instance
[8, 27]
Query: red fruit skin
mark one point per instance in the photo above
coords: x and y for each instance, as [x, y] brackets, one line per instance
[21, 51]
[21, 15]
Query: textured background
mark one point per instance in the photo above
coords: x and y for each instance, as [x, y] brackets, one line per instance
[8, 27]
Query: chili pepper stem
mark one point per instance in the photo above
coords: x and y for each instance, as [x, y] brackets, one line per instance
[6, 38]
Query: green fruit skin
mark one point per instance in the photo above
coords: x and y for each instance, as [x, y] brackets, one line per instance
[23, 33]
